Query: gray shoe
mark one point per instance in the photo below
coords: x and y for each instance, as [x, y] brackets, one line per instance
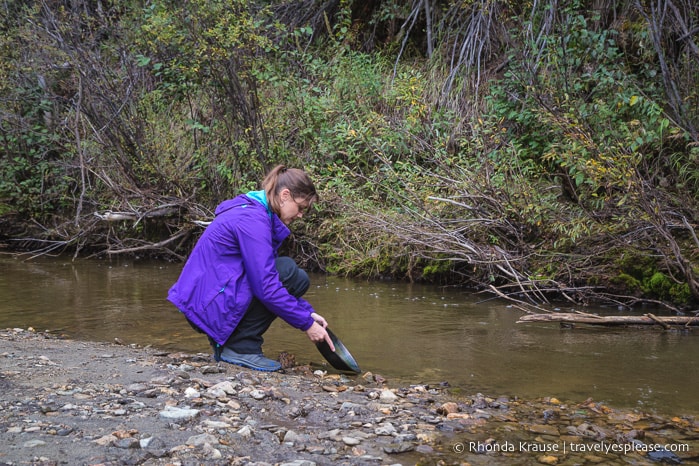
[257, 362]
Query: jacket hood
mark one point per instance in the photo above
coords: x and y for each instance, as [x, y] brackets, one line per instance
[259, 196]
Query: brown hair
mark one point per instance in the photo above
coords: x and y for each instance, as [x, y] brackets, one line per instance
[294, 179]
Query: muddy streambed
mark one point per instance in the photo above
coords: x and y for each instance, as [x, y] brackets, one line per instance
[410, 334]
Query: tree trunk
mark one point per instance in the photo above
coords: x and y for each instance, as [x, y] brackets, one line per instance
[591, 319]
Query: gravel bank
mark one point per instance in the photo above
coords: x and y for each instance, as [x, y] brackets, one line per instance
[88, 403]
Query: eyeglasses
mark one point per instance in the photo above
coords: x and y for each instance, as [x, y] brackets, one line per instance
[303, 209]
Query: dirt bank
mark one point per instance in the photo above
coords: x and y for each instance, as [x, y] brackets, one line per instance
[73, 402]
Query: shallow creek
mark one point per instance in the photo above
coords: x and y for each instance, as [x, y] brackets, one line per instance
[408, 333]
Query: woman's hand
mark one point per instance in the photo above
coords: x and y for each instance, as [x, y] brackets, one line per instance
[317, 333]
[320, 319]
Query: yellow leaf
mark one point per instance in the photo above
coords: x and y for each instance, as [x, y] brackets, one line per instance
[633, 100]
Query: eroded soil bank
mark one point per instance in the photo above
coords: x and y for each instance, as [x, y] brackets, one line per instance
[88, 403]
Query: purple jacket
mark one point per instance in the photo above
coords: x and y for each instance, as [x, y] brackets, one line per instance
[234, 261]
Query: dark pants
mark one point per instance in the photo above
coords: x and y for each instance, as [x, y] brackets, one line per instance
[247, 336]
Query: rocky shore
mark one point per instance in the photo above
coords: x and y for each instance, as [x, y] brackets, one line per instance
[88, 403]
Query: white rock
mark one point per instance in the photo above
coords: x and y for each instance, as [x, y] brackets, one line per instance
[144, 442]
[202, 439]
[227, 386]
[351, 441]
[387, 396]
[105, 440]
[385, 429]
[291, 437]
[257, 394]
[216, 424]
[212, 452]
[191, 393]
[178, 414]
[33, 443]
[221, 390]
[245, 432]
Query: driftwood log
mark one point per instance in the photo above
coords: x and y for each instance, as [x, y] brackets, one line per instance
[592, 319]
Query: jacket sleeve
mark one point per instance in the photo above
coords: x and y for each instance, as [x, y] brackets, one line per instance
[258, 254]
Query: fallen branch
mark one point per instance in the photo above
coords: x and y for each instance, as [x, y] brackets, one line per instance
[160, 211]
[659, 321]
[153, 246]
[521, 305]
[576, 318]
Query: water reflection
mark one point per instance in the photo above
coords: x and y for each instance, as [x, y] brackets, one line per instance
[409, 333]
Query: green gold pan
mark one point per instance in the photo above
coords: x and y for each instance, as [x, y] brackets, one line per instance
[341, 359]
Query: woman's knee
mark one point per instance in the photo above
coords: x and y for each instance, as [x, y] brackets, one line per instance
[293, 278]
